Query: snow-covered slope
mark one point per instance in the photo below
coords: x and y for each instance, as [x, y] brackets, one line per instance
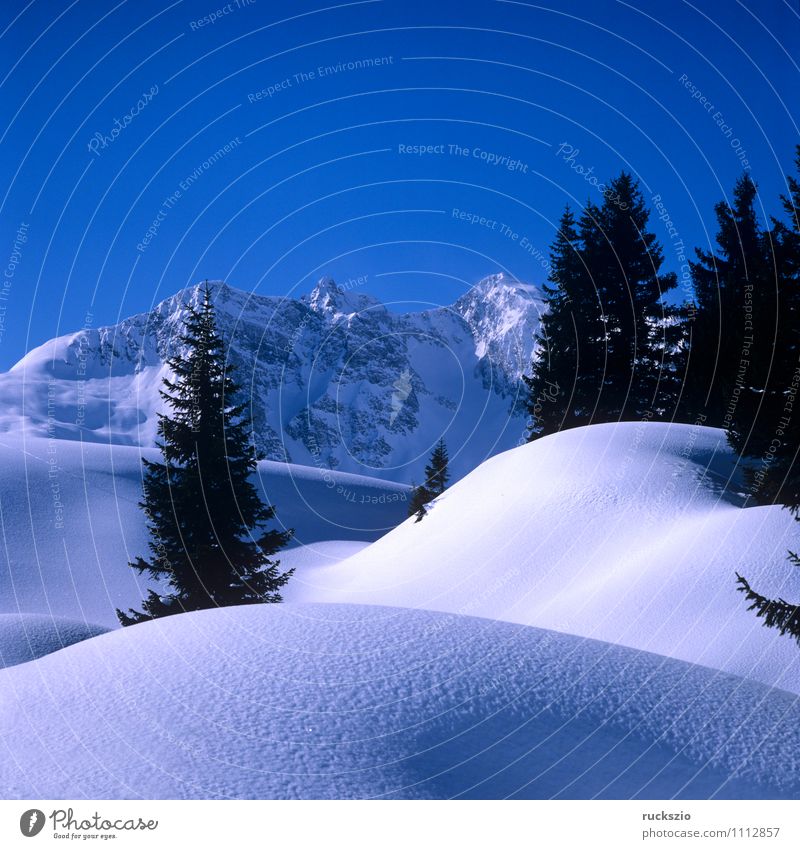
[323, 701]
[334, 379]
[629, 533]
[69, 521]
[26, 636]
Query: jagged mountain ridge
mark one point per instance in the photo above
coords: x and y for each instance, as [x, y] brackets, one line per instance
[334, 378]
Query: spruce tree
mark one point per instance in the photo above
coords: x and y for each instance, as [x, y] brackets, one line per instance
[437, 475]
[773, 442]
[765, 425]
[776, 613]
[729, 286]
[610, 347]
[561, 391]
[436, 472]
[206, 520]
[624, 258]
[419, 498]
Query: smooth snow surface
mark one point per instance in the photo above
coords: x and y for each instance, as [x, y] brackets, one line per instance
[70, 523]
[629, 533]
[348, 701]
[26, 636]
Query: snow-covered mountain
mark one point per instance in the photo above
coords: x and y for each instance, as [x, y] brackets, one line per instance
[335, 379]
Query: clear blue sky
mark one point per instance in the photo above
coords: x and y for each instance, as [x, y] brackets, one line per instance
[313, 180]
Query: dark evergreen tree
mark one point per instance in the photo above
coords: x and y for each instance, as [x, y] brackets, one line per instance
[416, 504]
[765, 425]
[206, 520]
[436, 472]
[773, 440]
[562, 392]
[641, 332]
[728, 286]
[610, 347]
[437, 475]
[776, 613]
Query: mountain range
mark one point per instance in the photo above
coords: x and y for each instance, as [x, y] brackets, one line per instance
[334, 378]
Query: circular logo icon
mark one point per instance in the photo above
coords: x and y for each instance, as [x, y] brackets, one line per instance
[31, 822]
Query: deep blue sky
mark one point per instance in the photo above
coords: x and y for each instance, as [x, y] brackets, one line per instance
[315, 183]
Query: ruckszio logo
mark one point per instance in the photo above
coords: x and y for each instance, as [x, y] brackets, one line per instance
[31, 822]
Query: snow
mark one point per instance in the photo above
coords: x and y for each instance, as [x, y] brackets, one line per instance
[69, 521]
[629, 533]
[317, 555]
[343, 701]
[24, 637]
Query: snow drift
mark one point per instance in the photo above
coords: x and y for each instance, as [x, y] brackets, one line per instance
[26, 636]
[343, 701]
[629, 533]
[70, 521]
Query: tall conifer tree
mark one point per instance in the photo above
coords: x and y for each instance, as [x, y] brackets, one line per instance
[610, 347]
[208, 542]
[625, 259]
[436, 472]
[728, 284]
[774, 439]
[561, 390]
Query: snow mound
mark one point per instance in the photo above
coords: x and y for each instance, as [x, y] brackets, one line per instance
[629, 533]
[25, 637]
[345, 701]
[70, 521]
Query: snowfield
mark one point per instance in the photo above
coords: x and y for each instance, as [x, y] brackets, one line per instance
[26, 636]
[528, 638]
[343, 701]
[70, 523]
[628, 533]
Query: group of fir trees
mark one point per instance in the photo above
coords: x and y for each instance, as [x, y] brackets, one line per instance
[763, 412]
[611, 347]
[437, 475]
